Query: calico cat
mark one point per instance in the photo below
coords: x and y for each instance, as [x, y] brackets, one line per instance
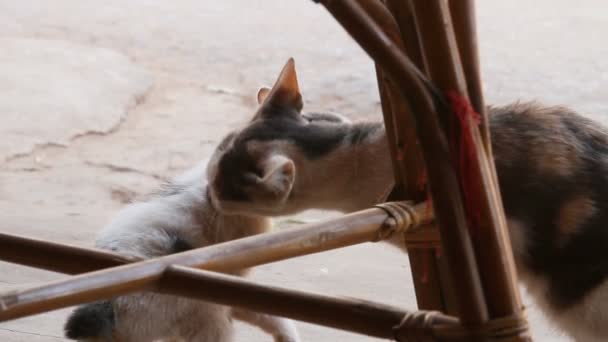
[176, 219]
[552, 166]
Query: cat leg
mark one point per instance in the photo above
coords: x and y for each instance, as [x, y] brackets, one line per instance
[282, 329]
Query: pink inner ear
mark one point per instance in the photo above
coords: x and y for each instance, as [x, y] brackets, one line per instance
[262, 94]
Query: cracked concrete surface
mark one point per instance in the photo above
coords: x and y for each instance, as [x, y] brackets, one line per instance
[162, 81]
[55, 91]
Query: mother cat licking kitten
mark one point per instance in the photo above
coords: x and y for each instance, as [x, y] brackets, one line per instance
[178, 218]
[552, 166]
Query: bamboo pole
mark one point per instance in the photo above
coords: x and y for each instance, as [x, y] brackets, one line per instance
[363, 226]
[442, 69]
[443, 181]
[56, 257]
[463, 19]
[403, 13]
[372, 319]
[407, 169]
[492, 246]
[401, 134]
[369, 318]
[391, 101]
[439, 45]
[438, 290]
[463, 14]
[69, 259]
[380, 14]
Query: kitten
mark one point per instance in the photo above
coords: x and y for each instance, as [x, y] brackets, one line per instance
[552, 166]
[176, 219]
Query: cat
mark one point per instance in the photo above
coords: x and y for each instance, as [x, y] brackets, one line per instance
[178, 218]
[552, 166]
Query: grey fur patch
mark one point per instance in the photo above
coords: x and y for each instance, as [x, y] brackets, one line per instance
[362, 132]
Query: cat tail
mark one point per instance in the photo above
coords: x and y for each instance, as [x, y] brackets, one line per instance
[91, 321]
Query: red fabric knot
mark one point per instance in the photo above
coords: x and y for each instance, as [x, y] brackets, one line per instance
[465, 158]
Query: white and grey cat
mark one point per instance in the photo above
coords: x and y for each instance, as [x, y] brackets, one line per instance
[178, 218]
[552, 166]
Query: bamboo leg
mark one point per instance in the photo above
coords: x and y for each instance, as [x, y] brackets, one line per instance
[492, 245]
[423, 263]
[443, 181]
[407, 167]
[434, 293]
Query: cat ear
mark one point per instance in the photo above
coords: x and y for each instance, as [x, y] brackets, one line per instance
[285, 91]
[262, 94]
[279, 174]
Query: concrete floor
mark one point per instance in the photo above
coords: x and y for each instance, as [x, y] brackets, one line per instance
[100, 101]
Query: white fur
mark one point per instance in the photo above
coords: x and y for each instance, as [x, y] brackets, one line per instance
[148, 229]
[586, 321]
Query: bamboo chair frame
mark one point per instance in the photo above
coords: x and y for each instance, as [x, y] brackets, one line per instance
[422, 49]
